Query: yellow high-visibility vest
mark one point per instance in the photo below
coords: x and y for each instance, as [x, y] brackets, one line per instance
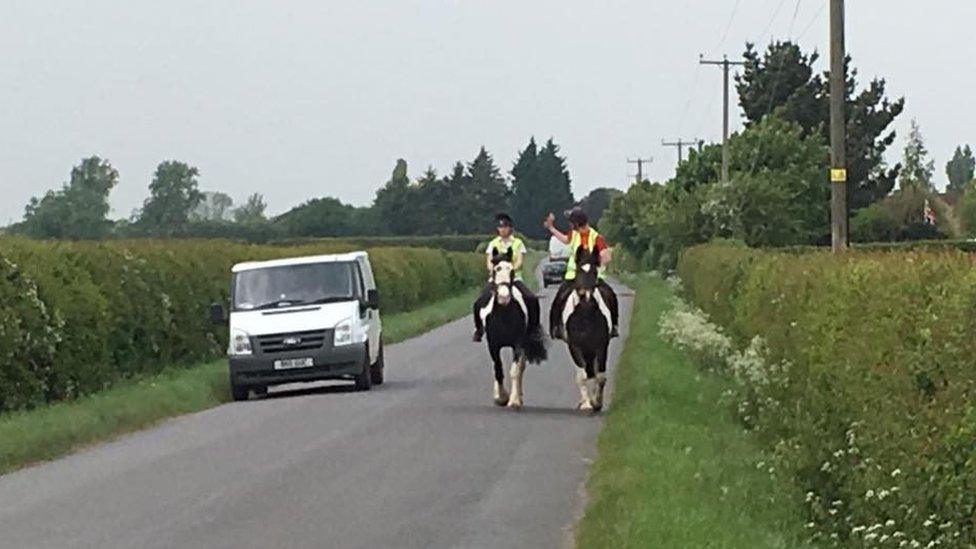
[575, 241]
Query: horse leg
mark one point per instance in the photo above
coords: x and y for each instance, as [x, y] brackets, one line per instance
[500, 394]
[518, 368]
[601, 377]
[585, 403]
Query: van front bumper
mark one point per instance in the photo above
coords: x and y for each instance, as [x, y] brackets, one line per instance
[328, 363]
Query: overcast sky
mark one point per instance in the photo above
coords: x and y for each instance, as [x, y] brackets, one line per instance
[297, 99]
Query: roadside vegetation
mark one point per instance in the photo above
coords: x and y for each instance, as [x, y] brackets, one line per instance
[856, 372]
[674, 469]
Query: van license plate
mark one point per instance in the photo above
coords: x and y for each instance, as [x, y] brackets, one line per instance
[289, 363]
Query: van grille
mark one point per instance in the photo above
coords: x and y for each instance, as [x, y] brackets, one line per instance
[296, 341]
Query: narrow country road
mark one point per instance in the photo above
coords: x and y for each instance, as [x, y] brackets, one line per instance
[425, 460]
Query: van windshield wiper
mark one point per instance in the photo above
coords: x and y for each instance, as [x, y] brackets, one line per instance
[279, 303]
[332, 299]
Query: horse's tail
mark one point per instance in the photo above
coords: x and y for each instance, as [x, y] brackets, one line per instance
[535, 345]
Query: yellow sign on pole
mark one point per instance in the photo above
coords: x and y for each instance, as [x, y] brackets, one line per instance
[838, 175]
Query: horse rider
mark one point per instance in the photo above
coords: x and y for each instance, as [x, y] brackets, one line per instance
[504, 241]
[580, 234]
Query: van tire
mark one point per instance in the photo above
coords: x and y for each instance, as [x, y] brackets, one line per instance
[376, 369]
[238, 392]
[364, 380]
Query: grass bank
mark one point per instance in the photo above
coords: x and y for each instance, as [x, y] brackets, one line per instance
[674, 469]
[57, 429]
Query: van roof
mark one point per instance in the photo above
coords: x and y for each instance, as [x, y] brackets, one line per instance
[304, 260]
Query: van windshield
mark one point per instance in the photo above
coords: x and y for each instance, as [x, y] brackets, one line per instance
[291, 285]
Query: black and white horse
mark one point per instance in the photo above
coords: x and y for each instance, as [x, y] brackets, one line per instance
[587, 321]
[507, 324]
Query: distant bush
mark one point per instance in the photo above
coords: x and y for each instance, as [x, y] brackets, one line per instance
[867, 392]
[75, 317]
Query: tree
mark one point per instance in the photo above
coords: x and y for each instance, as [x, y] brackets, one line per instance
[79, 209]
[455, 186]
[595, 203]
[960, 169]
[918, 168]
[394, 202]
[784, 200]
[541, 184]
[783, 81]
[173, 194]
[778, 195]
[875, 224]
[966, 209]
[252, 211]
[325, 216]
[215, 206]
[433, 208]
[487, 192]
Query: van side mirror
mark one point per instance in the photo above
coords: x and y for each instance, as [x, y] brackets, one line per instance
[373, 299]
[217, 313]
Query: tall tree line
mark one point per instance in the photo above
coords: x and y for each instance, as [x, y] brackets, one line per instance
[463, 201]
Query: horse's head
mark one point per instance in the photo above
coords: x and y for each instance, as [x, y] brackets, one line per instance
[502, 276]
[587, 272]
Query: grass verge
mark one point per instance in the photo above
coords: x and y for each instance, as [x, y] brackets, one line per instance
[673, 468]
[57, 429]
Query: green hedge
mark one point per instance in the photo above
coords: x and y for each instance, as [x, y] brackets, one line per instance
[874, 406]
[76, 317]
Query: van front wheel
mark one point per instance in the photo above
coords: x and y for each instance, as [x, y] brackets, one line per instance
[364, 381]
[376, 370]
[238, 392]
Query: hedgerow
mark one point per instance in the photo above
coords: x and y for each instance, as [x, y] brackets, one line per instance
[861, 382]
[76, 317]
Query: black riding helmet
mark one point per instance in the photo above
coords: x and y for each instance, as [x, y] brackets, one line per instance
[503, 220]
[577, 216]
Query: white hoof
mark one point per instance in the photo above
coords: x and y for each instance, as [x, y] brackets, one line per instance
[586, 406]
[515, 403]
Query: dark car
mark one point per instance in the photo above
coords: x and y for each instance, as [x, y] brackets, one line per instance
[553, 272]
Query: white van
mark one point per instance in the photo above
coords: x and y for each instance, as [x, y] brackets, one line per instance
[303, 319]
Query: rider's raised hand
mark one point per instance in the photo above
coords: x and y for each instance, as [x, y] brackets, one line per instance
[549, 221]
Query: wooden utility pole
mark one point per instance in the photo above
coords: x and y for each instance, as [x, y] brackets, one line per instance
[680, 144]
[725, 64]
[640, 166]
[838, 130]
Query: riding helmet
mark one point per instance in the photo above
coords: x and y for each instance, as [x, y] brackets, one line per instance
[577, 216]
[503, 220]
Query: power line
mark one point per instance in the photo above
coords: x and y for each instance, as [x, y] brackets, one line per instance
[813, 20]
[640, 166]
[769, 25]
[688, 100]
[796, 12]
[728, 26]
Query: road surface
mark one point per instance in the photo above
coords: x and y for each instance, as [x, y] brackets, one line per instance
[425, 460]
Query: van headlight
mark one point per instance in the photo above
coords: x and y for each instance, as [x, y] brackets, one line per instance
[343, 333]
[240, 343]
